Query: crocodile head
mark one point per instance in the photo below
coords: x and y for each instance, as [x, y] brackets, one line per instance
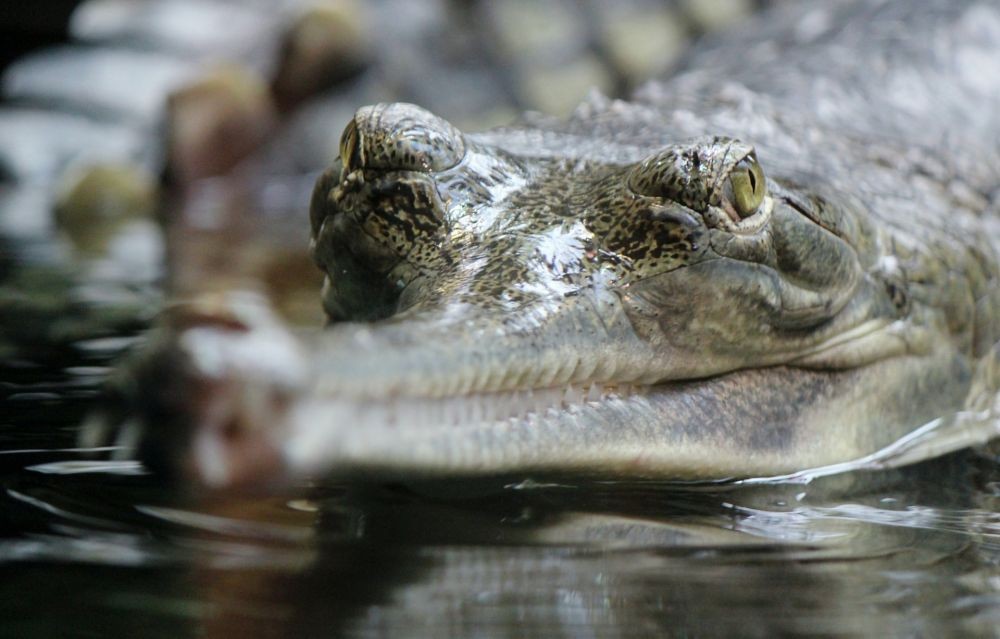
[697, 261]
[670, 311]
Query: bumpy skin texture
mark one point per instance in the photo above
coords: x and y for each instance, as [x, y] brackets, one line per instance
[854, 302]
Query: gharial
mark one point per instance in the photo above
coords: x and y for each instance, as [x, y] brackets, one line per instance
[784, 256]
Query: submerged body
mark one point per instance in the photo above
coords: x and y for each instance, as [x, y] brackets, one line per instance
[782, 258]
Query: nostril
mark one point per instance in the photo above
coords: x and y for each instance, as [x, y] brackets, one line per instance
[320, 204]
[400, 136]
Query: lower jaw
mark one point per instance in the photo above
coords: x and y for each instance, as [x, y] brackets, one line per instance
[476, 434]
[751, 422]
[754, 422]
[674, 430]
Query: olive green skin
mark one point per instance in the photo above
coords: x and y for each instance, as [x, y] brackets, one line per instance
[624, 209]
[856, 302]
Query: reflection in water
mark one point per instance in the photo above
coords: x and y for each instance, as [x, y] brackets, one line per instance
[875, 555]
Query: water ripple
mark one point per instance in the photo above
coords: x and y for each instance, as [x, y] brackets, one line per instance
[106, 467]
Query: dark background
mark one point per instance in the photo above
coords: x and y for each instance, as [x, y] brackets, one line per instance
[26, 25]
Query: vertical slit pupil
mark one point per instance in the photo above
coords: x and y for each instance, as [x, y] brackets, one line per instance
[753, 180]
[349, 151]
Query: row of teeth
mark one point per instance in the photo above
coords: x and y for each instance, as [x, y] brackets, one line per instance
[484, 407]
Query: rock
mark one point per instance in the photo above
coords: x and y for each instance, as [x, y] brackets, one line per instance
[643, 39]
[107, 82]
[712, 15]
[192, 28]
[215, 122]
[325, 45]
[39, 145]
[557, 90]
[96, 200]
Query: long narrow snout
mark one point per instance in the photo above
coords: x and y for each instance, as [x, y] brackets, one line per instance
[230, 399]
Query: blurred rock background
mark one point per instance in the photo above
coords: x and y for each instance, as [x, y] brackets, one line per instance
[170, 145]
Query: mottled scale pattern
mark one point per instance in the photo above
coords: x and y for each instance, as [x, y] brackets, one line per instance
[498, 229]
[845, 300]
[400, 136]
[871, 197]
[690, 174]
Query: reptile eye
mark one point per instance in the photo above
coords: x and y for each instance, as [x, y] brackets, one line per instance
[350, 152]
[400, 137]
[745, 187]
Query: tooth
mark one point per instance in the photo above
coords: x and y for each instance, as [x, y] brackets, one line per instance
[429, 414]
[515, 402]
[500, 411]
[572, 396]
[367, 419]
[594, 392]
[525, 400]
[381, 416]
[539, 401]
[425, 414]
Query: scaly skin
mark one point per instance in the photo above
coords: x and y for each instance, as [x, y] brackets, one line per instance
[472, 278]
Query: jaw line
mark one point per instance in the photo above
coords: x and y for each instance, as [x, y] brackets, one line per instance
[317, 429]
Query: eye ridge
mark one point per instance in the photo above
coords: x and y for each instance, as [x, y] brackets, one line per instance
[400, 137]
[718, 172]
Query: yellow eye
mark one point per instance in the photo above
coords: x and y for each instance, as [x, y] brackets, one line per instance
[746, 186]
